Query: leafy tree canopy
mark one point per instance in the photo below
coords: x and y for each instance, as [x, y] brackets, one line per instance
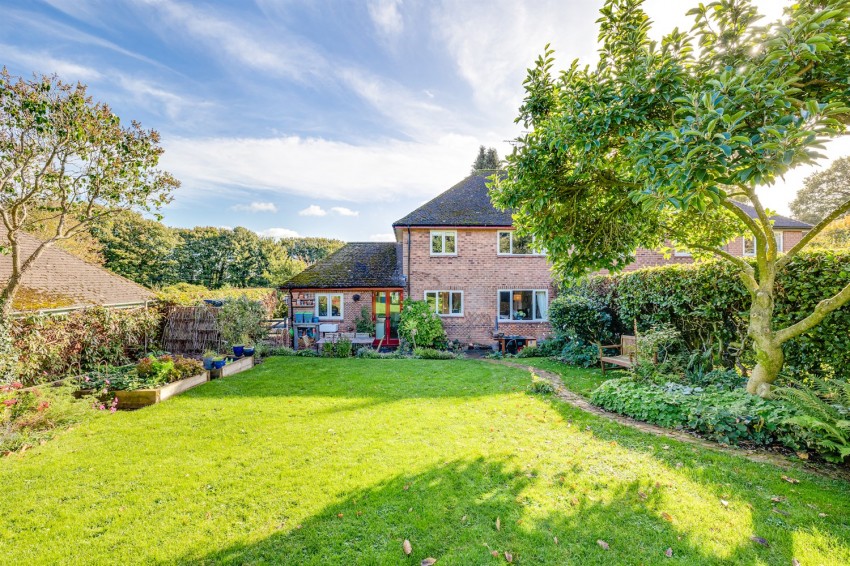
[487, 160]
[823, 192]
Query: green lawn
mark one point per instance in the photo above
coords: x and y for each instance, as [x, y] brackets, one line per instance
[578, 380]
[322, 461]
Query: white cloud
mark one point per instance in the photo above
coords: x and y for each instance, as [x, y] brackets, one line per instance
[386, 17]
[43, 62]
[313, 210]
[255, 207]
[382, 170]
[342, 211]
[278, 233]
[388, 237]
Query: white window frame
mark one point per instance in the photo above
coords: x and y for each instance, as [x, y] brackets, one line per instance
[330, 302]
[511, 319]
[437, 301]
[443, 234]
[512, 254]
[778, 237]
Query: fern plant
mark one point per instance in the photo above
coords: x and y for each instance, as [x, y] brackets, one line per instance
[823, 417]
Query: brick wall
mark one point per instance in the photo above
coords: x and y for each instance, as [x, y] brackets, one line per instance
[479, 272]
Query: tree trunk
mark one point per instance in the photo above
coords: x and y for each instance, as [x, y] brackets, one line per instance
[769, 355]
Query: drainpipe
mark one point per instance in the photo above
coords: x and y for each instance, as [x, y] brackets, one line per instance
[292, 322]
[408, 260]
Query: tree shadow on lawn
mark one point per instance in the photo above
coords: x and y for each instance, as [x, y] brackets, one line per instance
[376, 380]
[450, 513]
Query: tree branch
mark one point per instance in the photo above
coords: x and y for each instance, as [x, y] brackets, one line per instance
[822, 309]
[817, 229]
[748, 274]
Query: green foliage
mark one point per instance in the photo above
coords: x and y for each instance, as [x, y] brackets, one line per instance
[310, 250]
[433, 354]
[186, 294]
[241, 318]
[578, 317]
[343, 348]
[529, 352]
[708, 305]
[486, 161]
[328, 349]
[8, 352]
[31, 417]
[280, 351]
[823, 192]
[421, 326]
[540, 386]
[50, 347]
[155, 371]
[822, 421]
[369, 353]
[579, 354]
[307, 353]
[551, 346]
[729, 417]
[364, 322]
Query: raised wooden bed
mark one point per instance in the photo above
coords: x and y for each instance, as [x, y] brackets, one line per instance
[144, 397]
[236, 366]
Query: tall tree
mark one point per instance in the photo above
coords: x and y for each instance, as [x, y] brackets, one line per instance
[486, 160]
[68, 160]
[310, 250]
[657, 140]
[138, 248]
[823, 192]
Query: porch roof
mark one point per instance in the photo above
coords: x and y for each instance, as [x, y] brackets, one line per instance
[356, 265]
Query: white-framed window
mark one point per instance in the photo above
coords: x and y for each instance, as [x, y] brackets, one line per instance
[445, 303]
[750, 243]
[508, 243]
[523, 304]
[330, 306]
[681, 253]
[443, 242]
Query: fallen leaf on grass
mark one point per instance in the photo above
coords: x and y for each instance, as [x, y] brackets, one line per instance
[556, 540]
[724, 503]
[780, 511]
[795, 562]
[642, 495]
[406, 487]
[803, 455]
[498, 524]
[339, 515]
[667, 516]
[603, 544]
[777, 499]
[494, 553]
[509, 557]
[790, 480]
[821, 515]
[428, 562]
[406, 547]
[668, 553]
[463, 519]
[759, 540]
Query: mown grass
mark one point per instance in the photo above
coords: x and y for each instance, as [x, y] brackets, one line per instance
[323, 461]
[578, 380]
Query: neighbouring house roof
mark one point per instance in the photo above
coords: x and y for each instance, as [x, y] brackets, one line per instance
[58, 279]
[465, 204]
[779, 222]
[357, 265]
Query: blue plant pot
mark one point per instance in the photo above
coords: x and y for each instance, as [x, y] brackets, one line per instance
[218, 364]
[315, 319]
[208, 363]
[237, 351]
[248, 351]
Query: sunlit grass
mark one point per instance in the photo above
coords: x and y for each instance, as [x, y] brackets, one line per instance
[317, 461]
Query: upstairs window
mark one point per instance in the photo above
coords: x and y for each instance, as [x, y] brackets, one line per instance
[329, 305]
[445, 303]
[524, 304]
[443, 242]
[509, 243]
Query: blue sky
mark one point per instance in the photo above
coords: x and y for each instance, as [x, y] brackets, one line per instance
[308, 117]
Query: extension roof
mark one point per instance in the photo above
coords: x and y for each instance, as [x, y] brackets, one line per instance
[779, 222]
[357, 265]
[58, 279]
[465, 204]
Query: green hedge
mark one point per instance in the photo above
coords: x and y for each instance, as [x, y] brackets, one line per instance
[708, 304]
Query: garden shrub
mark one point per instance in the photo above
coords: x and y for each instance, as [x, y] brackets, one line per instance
[822, 422]
[279, 351]
[551, 346]
[540, 386]
[307, 353]
[343, 348]
[729, 417]
[50, 347]
[433, 354]
[529, 352]
[8, 354]
[157, 371]
[369, 353]
[580, 354]
[580, 318]
[327, 349]
[707, 303]
[32, 416]
[240, 321]
[421, 326]
[363, 323]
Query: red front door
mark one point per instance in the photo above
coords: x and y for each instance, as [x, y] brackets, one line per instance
[386, 314]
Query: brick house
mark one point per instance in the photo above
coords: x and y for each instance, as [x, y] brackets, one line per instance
[787, 231]
[461, 255]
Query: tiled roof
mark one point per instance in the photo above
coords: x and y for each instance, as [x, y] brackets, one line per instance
[465, 204]
[59, 279]
[779, 222]
[357, 265]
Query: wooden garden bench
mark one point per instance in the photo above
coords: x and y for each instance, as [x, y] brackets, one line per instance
[627, 357]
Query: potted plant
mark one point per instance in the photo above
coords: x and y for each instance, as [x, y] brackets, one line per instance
[208, 359]
[218, 362]
[239, 348]
[247, 350]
